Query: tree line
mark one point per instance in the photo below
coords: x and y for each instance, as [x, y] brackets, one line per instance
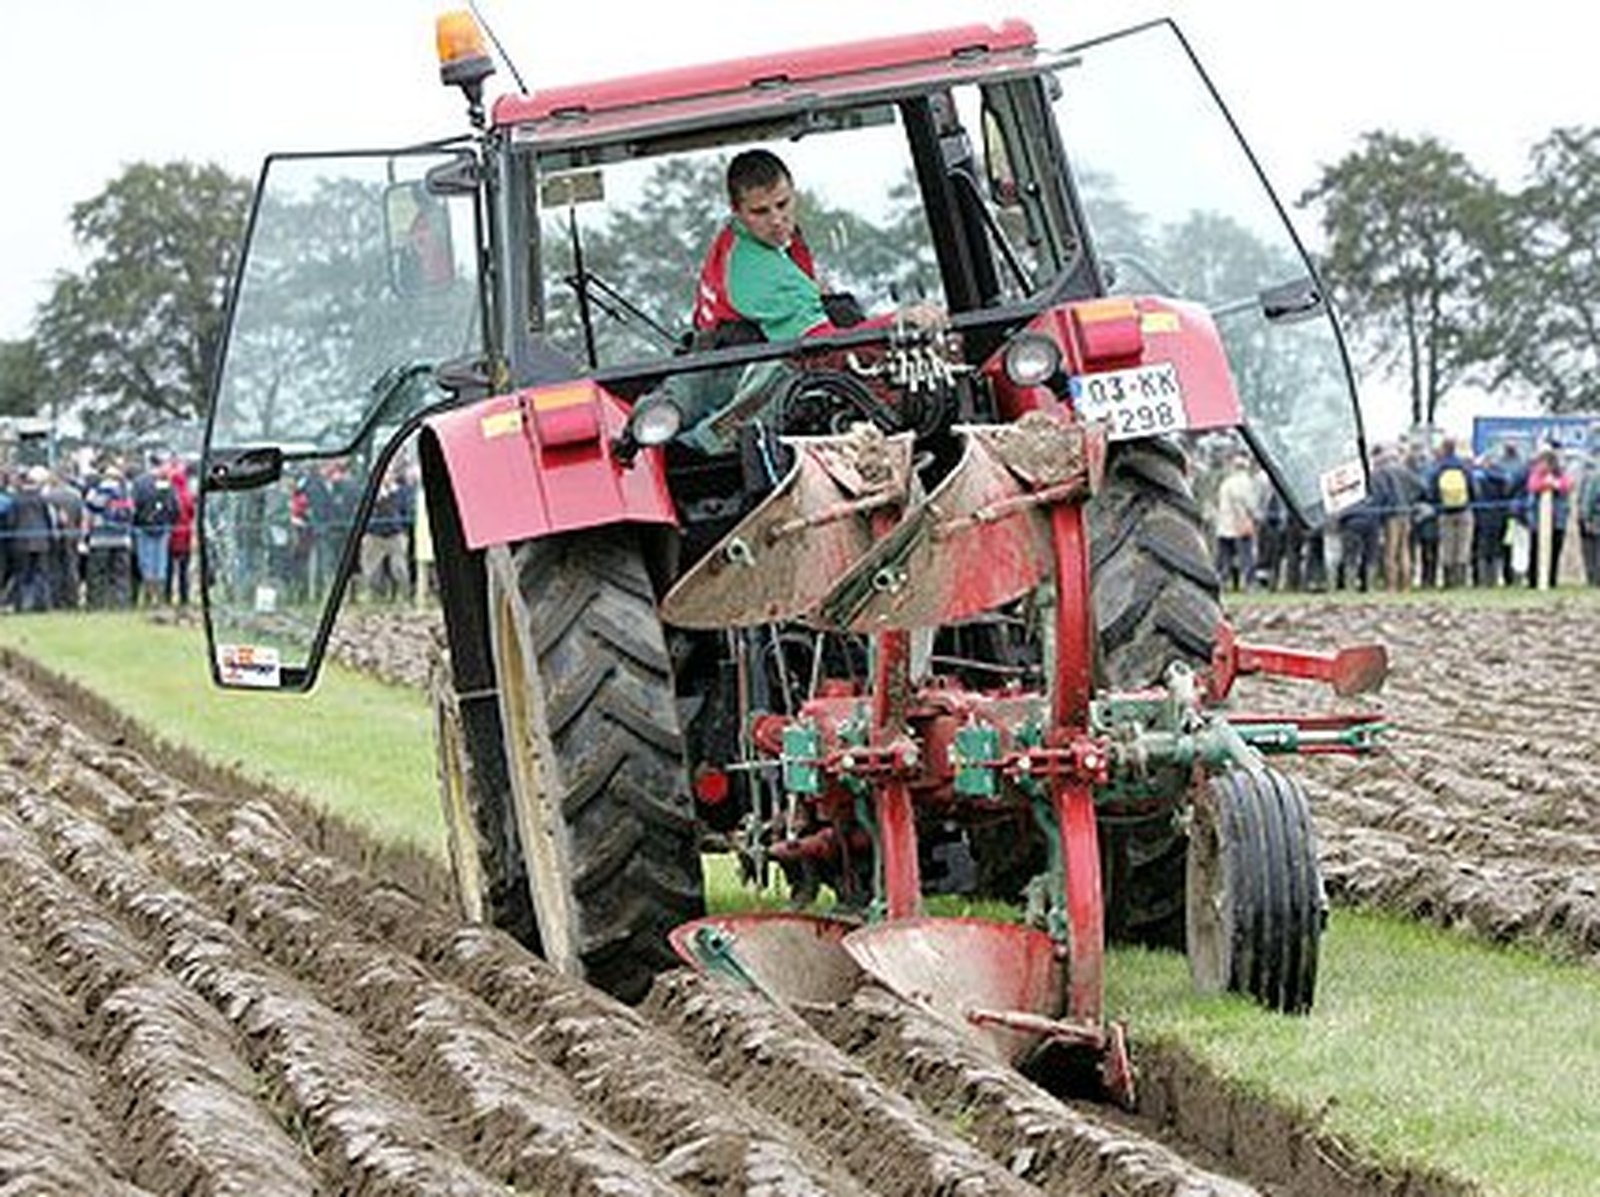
[1442, 277]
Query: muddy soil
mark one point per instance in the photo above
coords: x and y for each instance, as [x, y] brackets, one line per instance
[211, 990]
[1484, 811]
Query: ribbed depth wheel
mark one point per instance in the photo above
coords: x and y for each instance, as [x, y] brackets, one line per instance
[1256, 905]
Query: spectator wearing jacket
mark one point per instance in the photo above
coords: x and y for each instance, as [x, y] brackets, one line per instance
[1449, 491]
[1396, 490]
[1548, 477]
[385, 572]
[1238, 501]
[32, 536]
[1589, 518]
[66, 548]
[108, 540]
[180, 541]
[155, 511]
[1491, 510]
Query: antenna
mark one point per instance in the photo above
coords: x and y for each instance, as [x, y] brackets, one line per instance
[498, 48]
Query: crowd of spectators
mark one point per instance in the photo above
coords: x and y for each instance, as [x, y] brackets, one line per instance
[112, 537]
[1440, 520]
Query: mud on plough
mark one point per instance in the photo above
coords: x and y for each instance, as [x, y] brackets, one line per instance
[845, 544]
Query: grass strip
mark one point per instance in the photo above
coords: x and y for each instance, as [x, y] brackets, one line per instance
[1426, 1048]
[356, 746]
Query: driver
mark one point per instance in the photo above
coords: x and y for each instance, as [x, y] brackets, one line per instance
[759, 274]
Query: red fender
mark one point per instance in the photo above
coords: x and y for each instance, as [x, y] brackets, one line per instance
[540, 461]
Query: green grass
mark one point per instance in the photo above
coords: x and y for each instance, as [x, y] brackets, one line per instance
[1425, 1047]
[354, 745]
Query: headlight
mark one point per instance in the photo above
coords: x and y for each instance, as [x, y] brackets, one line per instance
[1032, 359]
[656, 420]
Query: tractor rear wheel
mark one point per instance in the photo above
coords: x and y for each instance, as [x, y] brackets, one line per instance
[1256, 905]
[480, 834]
[1156, 601]
[595, 755]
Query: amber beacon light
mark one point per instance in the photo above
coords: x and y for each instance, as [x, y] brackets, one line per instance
[463, 57]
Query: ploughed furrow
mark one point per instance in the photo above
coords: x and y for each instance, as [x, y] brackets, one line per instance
[623, 1069]
[1059, 1148]
[519, 1116]
[774, 1060]
[189, 1119]
[366, 1134]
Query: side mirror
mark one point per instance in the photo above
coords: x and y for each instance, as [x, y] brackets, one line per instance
[1290, 302]
[417, 232]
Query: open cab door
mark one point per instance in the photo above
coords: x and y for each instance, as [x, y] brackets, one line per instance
[359, 276]
[1176, 204]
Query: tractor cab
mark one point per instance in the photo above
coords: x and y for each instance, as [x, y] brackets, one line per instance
[966, 167]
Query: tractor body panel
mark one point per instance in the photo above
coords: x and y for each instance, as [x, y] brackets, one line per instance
[541, 461]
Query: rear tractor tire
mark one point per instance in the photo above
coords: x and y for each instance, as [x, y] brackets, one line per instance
[1256, 905]
[595, 755]
[1156, 601]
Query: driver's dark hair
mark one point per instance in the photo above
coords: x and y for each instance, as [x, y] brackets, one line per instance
[754, 168]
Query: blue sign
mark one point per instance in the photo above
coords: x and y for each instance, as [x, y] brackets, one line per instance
[1575, 434]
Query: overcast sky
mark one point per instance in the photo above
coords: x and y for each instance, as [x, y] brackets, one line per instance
[89, 86]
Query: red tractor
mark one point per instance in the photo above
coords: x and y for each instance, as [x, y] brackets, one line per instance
[896, 610]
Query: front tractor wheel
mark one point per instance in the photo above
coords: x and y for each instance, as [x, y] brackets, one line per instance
[594, 753]
[1256, 905]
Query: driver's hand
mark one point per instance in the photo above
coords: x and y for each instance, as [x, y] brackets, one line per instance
[931, 316]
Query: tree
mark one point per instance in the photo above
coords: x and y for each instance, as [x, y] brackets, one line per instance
[1544, 295]
[135, 334]
[27, 386]
[1408, 224]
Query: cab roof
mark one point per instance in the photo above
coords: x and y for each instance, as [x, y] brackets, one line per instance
[760, 84]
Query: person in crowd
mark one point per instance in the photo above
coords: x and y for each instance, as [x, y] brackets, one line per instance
[1518, 542]
[5, 538]
[31, 531]
[1272, 548]
[1424, 527]
[180, 542]
[155, 511]
[1360, 532]
[1396, 490]
[385, 572]
[1449, 491]
[108, 541]
[1237, 514]
[64, 569]
[1548, 476]
[1589, 517]
[1491, 509]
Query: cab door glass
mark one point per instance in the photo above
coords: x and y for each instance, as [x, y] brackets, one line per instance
[356, 280]
[1176, 206]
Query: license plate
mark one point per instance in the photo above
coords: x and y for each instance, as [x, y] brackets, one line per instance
[1141, 401]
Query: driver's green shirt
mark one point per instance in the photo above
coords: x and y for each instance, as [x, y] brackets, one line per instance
[767, 286]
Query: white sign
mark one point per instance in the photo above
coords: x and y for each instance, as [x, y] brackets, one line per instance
[1343, 487]
[251, 665]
